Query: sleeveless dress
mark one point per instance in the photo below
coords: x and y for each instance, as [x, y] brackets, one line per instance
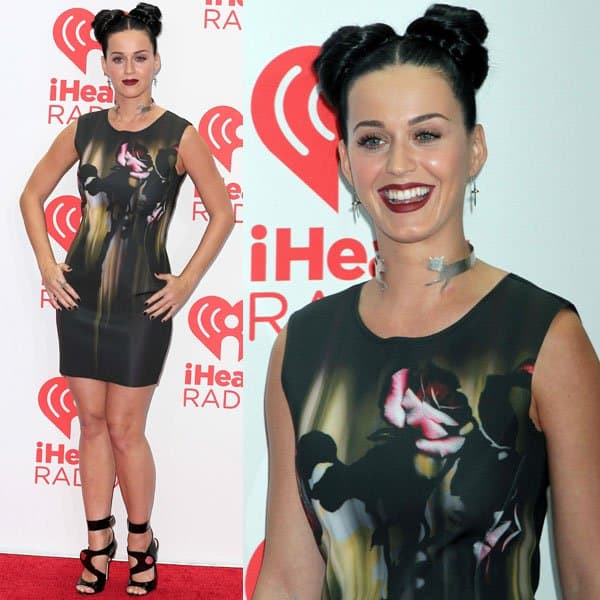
[419, 469]
[128, 185]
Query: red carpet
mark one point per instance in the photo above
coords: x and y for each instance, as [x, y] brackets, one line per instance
[32, 577]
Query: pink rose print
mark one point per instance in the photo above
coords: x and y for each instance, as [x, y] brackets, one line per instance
[126, 158]
[403, 408]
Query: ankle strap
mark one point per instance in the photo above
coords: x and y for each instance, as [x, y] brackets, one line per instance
[137, 527]
[101, 523]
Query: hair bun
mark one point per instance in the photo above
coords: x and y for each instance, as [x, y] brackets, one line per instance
[149, 15]
[460, 32]
[104, 21]
[342, 50]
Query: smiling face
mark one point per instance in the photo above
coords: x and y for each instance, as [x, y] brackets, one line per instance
[408, 154]
[131, 63]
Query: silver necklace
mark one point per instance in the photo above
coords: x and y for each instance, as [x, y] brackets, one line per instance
[447, 272]
[140, 109]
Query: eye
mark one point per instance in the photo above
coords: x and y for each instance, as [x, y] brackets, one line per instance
[117, 59]
[370, 141]
[427, 136]
[141, 58]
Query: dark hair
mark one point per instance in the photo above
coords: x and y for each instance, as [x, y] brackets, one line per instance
[144, 17]
[446, 38]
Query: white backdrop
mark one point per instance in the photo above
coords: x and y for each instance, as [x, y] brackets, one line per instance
[537, 213]
[195, 427]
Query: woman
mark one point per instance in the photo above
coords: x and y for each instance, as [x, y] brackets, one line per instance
[115, 283]
[415, 442]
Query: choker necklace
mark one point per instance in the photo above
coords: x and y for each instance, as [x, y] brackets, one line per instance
[140, 109]
[447, 272]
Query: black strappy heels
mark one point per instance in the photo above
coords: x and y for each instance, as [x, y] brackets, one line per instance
[144, 560]
[87, 555]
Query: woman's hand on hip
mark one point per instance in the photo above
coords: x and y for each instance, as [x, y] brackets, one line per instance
[167, 301]
[60, 292]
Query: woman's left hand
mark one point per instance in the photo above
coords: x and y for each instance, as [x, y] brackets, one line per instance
[168, 300]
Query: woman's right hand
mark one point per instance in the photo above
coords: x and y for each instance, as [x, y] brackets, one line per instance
[60, 292]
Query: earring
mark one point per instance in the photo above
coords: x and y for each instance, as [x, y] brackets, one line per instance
[109, 82]
[473, 195]
[154, 81]
[355, 206]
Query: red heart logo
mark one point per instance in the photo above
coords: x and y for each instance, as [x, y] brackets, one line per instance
[57, 404]
[212, 319]
[218, 127]
[253, 569]
[63, 215]
[294, 122]
[72, 33]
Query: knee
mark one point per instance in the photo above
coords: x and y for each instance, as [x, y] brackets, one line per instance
[92, 426]
[124, 436]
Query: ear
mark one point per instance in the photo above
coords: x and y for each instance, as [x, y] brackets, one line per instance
[345, 162]
[478, 150]
[103, 65]
[157, 64]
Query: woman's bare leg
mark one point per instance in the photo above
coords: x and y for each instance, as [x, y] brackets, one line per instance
[126, 410]
[96, 463]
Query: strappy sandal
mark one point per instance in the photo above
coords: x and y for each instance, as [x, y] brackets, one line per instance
[144, 560]
[87, 555]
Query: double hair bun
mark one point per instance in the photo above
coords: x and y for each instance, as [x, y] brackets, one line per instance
[147, 14]
[459, 32]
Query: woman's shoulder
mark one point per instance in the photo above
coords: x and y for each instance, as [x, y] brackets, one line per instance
[533, 294]
[175, 118]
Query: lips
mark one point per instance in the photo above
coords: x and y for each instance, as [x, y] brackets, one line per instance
[406, 197]
[130, 81]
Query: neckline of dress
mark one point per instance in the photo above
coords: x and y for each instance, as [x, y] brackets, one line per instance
[133, 130]
[430, 336]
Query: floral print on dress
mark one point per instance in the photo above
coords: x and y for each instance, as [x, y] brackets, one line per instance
[445, 475]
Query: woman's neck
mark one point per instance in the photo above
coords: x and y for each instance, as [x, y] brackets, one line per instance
[131, 109]
[424, 269]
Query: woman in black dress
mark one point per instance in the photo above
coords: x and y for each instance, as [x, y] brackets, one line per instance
[416, 420]
[114, 294]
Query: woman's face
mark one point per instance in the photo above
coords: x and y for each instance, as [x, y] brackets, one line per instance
[408, 154]
[130, 62]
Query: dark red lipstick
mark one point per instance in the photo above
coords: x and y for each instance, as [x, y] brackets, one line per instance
[405, 197]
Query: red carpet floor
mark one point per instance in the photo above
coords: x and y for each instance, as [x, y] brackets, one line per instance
[32, 577]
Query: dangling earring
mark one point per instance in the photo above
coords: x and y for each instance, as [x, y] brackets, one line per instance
[473, 194]
[108, 82]
[154, 81]
[355, 206]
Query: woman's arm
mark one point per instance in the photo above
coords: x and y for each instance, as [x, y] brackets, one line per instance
[56, 162]
[566, 388]
[292, 566]
[196, 159]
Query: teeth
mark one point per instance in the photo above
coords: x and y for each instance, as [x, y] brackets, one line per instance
[406, 195]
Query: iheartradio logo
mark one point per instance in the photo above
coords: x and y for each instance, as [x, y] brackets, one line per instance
[253, 569]
[63, 215]
[294, 123]
[57, 403]
[73, 36]
[219, 127]
[212, 319]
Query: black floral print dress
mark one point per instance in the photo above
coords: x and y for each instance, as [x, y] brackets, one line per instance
[128, 185]
[419, 468]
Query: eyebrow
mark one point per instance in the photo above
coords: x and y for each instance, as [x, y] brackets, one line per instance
[136, 52]
[413, 121]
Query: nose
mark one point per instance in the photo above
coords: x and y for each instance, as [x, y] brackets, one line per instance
[129, 66]
[400, 158]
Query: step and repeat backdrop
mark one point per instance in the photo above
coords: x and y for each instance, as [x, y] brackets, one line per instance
[537, 213]
[51, 75]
